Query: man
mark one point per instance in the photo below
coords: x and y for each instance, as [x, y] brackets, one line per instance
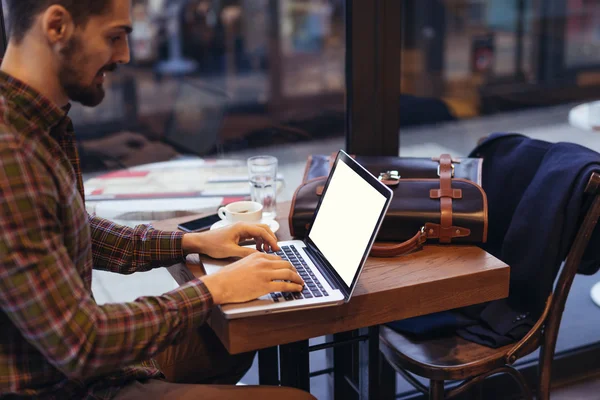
[56, 342]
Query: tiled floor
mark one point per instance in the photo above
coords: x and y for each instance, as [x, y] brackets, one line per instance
[458, 139]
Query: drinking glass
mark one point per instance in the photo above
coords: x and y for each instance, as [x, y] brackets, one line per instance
[262, 175]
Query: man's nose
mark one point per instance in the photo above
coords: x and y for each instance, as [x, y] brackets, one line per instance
[122, 55]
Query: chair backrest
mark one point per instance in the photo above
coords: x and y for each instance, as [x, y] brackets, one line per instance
[574, 258]
[545, 331]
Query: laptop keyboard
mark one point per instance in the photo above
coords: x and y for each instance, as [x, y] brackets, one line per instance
[312, 287]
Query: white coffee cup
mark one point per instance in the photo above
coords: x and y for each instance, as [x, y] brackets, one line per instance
[241, 211]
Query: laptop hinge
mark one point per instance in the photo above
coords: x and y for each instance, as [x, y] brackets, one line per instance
[333, 281]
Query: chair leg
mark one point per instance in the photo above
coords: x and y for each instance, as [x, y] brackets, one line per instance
[545, 372]
[387, 389]
[436, 390]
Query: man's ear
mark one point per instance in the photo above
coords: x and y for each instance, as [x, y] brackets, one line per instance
[57, 24]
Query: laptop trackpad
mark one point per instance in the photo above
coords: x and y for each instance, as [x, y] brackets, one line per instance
[212, 266]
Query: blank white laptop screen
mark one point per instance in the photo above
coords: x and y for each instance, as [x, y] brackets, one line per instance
[346, 220]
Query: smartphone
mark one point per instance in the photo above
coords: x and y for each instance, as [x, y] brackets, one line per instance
[200, 224]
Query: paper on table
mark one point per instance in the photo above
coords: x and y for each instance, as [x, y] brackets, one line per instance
[156, 209]
[165, 180]
[191, 163]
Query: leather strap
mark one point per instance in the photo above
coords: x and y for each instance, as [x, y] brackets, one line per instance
[429, 231]
[398, 249]
[454, 160]
[434, 231]
[445, 195]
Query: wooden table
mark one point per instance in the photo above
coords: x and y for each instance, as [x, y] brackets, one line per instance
[437, 278]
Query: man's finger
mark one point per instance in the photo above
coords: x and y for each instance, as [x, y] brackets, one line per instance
[272, 243]
[266, 247]
[281, 264]
[285, 287]
[286, 275]
[267, 229]
[271, 257]
[259, 244]
[244, 252]
[260, 232]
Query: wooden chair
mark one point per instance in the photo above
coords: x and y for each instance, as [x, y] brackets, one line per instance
[456, 359]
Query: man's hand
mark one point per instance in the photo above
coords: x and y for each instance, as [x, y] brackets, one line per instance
[224, 242]
[252, 277]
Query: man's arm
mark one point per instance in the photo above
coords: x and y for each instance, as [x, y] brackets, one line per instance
[45, 297]
[125, 250]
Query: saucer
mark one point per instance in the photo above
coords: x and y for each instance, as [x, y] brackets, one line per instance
[274, 225]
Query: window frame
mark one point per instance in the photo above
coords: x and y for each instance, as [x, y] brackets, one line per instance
[373, 47]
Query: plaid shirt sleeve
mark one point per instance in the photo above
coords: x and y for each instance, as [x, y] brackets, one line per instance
[44, 296]
[125, 250]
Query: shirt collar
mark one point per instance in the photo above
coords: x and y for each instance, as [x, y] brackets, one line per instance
[33, 105]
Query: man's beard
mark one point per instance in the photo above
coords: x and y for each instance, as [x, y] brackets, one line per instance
[70, 78]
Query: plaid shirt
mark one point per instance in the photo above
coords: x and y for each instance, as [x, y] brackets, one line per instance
[55, 341]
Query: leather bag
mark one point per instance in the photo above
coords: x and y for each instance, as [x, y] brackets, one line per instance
[438, 199]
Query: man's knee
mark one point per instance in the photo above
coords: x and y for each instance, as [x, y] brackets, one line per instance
[232, 369]
[201, 358]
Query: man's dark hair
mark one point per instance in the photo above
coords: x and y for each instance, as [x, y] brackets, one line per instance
[21, 13]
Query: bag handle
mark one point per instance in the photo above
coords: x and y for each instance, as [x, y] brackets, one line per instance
[428, 231]
[398, 249]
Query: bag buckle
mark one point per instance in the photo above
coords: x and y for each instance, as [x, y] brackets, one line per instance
[389, 178]
[438, 170]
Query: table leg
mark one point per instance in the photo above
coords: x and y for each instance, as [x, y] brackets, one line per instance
[268, 367]
[342, 366]
[294, 365]
[369, 364]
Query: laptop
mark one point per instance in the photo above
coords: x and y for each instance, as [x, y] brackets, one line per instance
[194, 124]
[333, 254]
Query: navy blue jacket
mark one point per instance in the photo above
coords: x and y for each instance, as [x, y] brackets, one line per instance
[536, 202]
